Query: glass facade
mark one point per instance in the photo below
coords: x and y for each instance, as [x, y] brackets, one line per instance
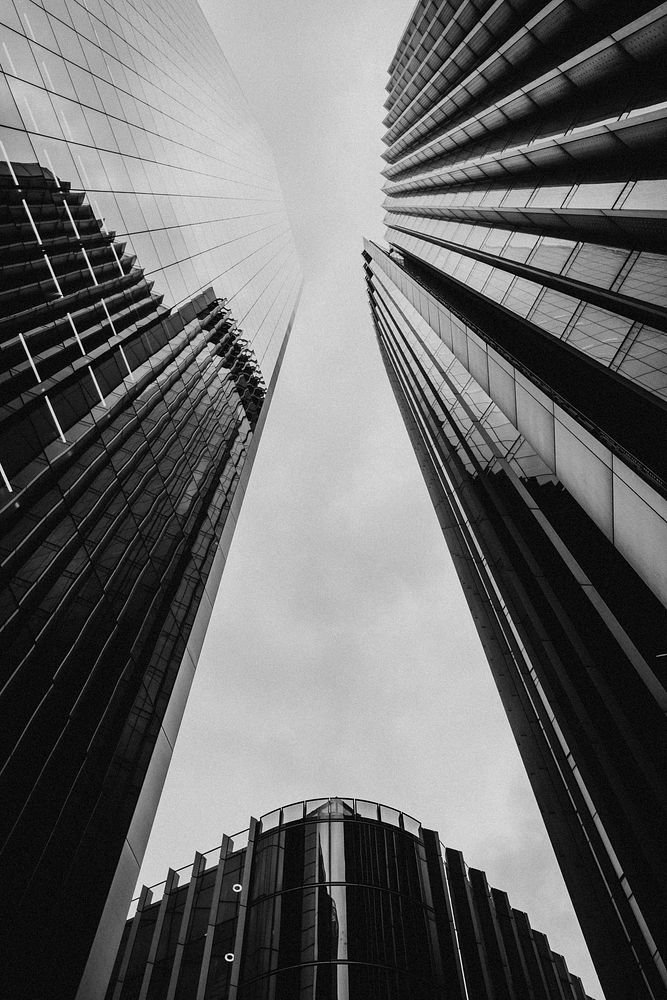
[348, 899]
[334, 899]
[148, 283]
[520, 314]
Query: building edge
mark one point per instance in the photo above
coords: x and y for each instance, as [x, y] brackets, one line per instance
[110, 928]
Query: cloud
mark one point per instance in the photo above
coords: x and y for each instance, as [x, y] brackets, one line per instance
[341, 657]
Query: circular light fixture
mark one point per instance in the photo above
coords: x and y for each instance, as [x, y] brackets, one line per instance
[229, 957]
[236, 887]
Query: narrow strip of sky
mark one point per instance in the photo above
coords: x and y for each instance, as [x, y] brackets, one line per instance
[341, 658]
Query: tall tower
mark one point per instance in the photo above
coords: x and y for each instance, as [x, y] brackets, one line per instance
[520, 311]
[334, 899]
[149, 282]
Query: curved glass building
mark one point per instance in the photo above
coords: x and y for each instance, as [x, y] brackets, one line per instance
[334, 899]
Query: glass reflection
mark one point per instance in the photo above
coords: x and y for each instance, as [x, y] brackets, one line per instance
[317, 807]
[339, 888]
[367, 809]
[292, 812]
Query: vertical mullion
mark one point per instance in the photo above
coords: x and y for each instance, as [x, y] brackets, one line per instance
[450, 957]
[513, 946]
[197, 868]
[225, 849]
[498, 962]
[471, 942]
[144, 901]
[243, 909]
[529, 950]
[172, 882]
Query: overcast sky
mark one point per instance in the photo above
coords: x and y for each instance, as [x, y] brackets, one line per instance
[341, 658]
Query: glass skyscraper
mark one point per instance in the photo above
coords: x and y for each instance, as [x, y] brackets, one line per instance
[148, 286]
[521, 315]
[334, 899]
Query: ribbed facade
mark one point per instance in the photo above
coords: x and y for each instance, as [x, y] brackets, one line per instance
[148, 282]
[334, 899]
[520, 311]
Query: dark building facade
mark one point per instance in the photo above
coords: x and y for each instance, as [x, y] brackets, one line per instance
[521, 316]
[334, 899]
[148, 282]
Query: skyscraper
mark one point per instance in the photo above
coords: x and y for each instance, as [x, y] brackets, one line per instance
[521, 314]
[149, 282]
[334, 898]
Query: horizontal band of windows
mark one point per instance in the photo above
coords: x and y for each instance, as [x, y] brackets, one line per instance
[634, 309]
[617, 148]
[591, 84]
[635, 349]
[638, 275]
[596, 396]
[631, 229]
